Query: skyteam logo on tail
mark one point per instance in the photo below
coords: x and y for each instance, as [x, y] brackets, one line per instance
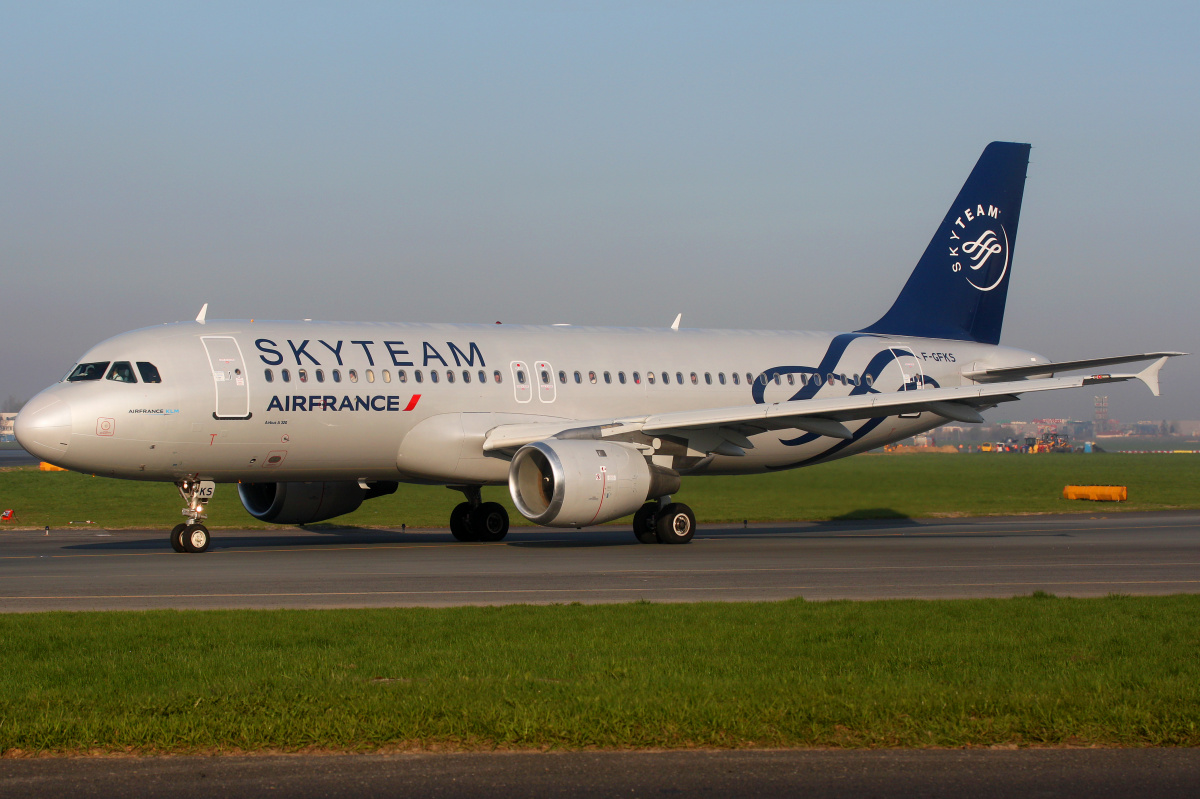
[979, 244]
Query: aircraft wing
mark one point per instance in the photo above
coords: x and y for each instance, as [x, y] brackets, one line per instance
[729, 428]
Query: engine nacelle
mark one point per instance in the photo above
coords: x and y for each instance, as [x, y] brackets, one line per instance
[305, 503]
[574, 483]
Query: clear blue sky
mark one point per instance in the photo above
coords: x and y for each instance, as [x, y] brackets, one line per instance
[777, 165]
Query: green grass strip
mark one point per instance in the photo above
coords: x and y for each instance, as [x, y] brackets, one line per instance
[1034, 670]
[862, 487]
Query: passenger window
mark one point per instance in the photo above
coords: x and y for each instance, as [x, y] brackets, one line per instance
[122, 372]
[387, 376]
[708, 378]
[666, 379]
[608, 377]
[402, 375]
[302, 375]
[562, 376]
[420, 378]
[370, 375]
[854, 380]
[545, 377]
[650, 378]
[679, 378]
[149, 372]
[433, 376]
[268, 375]
[637, 379]
[761, 378]
[591, 377]
[778, 380]
[578, 377]
[791, 380]
[320, 375]
[749, 378]
[285, 375]
[353, 375]
[621, 377]
[87, 371]
[449, 376]
[870, 380]
[695, 380]
[483, 376]
[466, 375]
[521, 376]
[721, 377]
[499, 378]
[337, 375]
[736, 380]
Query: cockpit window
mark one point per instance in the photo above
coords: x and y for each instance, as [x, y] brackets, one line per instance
[87, 371]
[149, 372]
[122, 372]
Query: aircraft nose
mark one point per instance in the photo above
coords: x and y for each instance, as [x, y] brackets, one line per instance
[43, 427]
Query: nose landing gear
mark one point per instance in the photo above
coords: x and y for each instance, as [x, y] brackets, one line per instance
[193, 536]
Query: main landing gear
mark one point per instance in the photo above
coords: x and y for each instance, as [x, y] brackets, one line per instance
[193, 536]
[476, 520]
[662, 521]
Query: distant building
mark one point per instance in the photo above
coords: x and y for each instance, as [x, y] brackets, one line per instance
[6, 427]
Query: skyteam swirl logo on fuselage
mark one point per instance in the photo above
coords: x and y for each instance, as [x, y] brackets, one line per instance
[979, 243]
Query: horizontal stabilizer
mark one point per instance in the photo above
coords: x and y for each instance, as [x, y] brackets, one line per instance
[1048, 369]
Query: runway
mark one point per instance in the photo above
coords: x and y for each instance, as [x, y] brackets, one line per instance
[983, 774]
[1075, 555]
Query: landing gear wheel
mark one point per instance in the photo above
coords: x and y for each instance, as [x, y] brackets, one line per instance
[177, 538]
[460, 523]
[489, 522]
[195, 538]
[643, 523]
[676, 524]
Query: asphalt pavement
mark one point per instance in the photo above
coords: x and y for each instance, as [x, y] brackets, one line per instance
[1075, 555]
[979, 774]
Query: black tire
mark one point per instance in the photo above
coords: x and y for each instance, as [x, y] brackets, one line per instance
[676, 524]
[177, 538]
[196, 538]
[643, 523]
[489, 522]
[460, 523]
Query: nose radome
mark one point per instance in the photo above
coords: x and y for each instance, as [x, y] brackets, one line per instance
[43, 427]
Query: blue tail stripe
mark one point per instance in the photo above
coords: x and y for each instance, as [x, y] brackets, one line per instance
[959, 287]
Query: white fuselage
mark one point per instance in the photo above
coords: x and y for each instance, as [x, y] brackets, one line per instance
[301, 401]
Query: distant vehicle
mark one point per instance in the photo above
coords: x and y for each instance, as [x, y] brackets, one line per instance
[583, 424]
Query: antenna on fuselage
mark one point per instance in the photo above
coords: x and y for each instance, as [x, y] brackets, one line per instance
[675, 324]
[203, 311]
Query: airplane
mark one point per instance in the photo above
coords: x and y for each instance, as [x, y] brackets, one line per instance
[584, 424]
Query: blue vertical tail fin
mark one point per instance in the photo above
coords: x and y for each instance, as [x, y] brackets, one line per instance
[960, 285]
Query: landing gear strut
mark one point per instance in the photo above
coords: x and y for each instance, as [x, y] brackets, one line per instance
[193, 536]
[476, 520]
[665, 522]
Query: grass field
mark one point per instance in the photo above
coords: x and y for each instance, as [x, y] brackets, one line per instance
[865, 486]
[1028, 671]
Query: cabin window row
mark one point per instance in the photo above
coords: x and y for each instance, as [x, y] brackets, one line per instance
[418, 376]
[385, 375]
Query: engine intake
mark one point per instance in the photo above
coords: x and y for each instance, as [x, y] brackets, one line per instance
[305, 503]
[576, 483]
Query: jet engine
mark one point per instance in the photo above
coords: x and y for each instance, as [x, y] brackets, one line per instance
[574, 483]
[305, 503]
